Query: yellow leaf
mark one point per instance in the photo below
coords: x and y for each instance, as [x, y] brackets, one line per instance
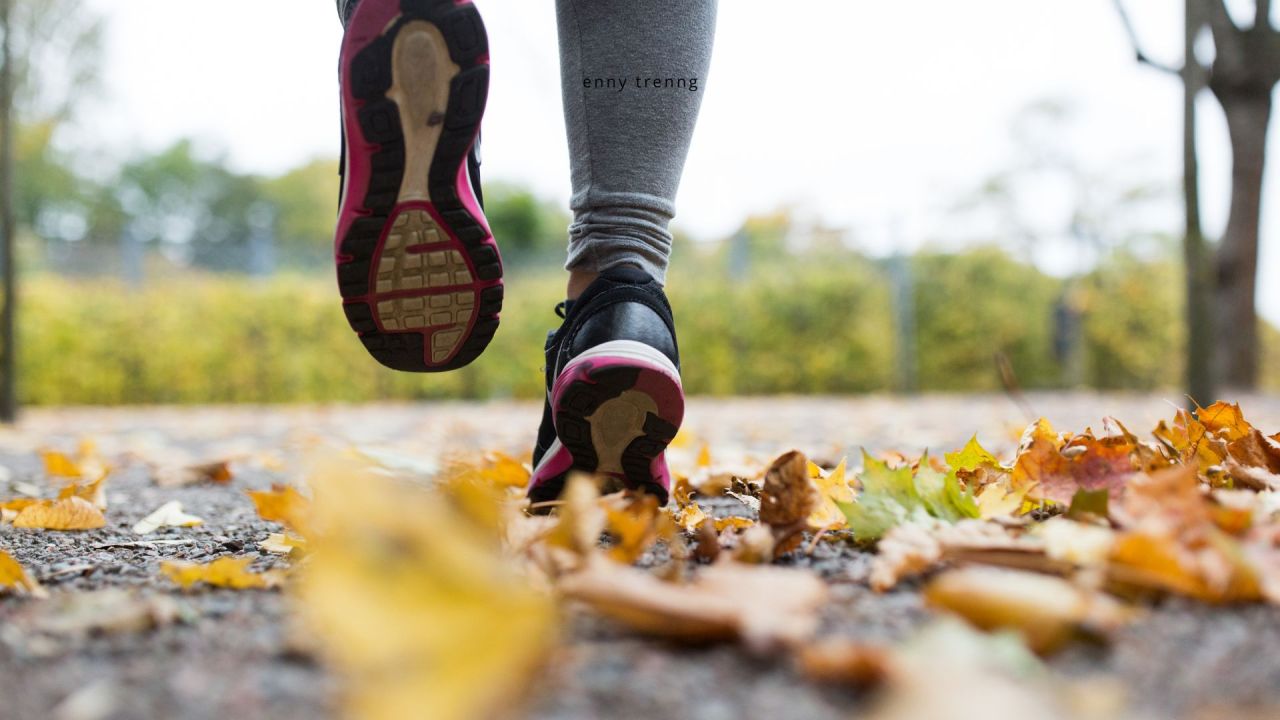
[285, 505]
[413, 602]
[92, 492]
[168, 515]
[58, 464]
[283, 544]
[12, 575]
[834, 488]
[636, 526]
[226, 572]
[72, 513]
[997, 499]
[704, 456]
[1045, 610]
[690, 517]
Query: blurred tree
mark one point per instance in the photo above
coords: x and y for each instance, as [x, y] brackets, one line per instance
[1197, 268]
[1244, 71]
[306, 203]
[194, 209]
[530, 227]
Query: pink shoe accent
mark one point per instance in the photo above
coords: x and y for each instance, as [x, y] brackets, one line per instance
[418, 268]
[614, 415]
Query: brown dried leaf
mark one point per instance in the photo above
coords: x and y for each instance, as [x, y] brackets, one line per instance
[846, 662]
[1047, 611]
[789, 495]
[767, 607]
[72, 513]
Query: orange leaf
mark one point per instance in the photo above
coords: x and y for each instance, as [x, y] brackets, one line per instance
[72, 513]
[58, 464]
[228, 572]
[285, 505]
[12, 575]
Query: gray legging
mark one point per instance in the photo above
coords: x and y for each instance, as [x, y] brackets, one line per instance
[632, 75]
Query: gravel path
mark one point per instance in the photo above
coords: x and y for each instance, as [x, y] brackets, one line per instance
[234, 654]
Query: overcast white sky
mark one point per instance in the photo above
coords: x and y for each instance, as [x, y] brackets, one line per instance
[866, 114]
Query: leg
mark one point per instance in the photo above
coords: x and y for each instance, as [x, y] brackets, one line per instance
[628, 139]
[633, 72]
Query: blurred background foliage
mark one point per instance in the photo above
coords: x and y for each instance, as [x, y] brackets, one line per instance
[169, 277]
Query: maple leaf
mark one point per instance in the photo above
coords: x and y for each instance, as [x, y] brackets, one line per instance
[636, 525]
[1224, 420]
[893, 496]
[833, 488]
[285, 505]
[1169, 542]
[1191, 441]
[14, 576]
[225, 572]
[414, 602]
[70, 513]
[1050, 467]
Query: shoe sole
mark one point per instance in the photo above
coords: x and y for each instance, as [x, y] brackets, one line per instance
[616, 409]
[418, 268]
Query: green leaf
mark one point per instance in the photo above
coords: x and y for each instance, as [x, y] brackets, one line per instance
[971, 457]
[1088, 502]
[892, 496]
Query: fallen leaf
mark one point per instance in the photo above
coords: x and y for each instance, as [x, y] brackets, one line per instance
[14, 576]
[59, 464]
[217, 472]
[892, 496]
[413, 602]
[767, 607]
[283, 544]
[789, 495]
[106, 611]
[833, 488]
[858, 665]
[285, 505]
[168, 515]
[71, 513]
[92, 492]
[1047, 611]
[225, 572]
[916, 547]
[636, 525]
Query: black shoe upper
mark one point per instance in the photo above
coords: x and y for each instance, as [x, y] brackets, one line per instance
[624, 303]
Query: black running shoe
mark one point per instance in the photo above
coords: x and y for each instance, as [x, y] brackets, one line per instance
[418, 268]
[614, 398]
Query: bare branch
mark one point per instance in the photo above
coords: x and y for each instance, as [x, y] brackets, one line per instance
[1138, 53]
[1224, 28]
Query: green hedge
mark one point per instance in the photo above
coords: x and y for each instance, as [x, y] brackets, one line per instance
[815, 325]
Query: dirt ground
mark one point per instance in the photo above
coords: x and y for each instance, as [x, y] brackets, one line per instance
[235, 654]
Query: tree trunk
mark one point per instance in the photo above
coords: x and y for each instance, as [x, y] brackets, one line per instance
[1248, 116]
[1196, 259]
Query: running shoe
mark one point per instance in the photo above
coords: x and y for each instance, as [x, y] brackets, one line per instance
[418, 268]
[614, 398]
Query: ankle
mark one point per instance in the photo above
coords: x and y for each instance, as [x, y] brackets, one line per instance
[578, 282]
